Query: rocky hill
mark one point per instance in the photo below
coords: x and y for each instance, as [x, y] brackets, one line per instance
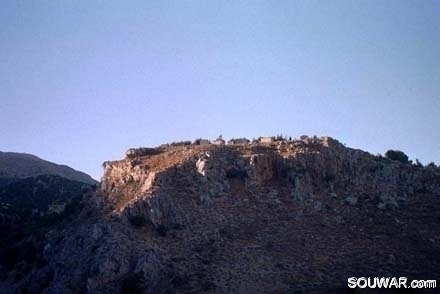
[35, 196]
[278, 217]
[21, 165]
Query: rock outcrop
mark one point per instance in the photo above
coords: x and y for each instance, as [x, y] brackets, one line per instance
[278, 217]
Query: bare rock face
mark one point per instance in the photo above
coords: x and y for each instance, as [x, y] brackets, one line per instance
[157, 209]
[100, 258]
[279, 217]
[219, 190]
[263, 167]
[212, 179]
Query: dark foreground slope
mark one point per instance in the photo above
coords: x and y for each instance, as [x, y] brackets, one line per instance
[29, 209]
[278, 218]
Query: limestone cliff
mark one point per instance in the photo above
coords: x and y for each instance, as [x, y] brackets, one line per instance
[253, 218]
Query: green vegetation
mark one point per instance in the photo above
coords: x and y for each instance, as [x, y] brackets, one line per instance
[25, 217]
[397, 155]
[181, 143]
[40, 192]
[431, 165]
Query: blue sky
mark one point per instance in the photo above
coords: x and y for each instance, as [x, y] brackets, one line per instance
[82, 81]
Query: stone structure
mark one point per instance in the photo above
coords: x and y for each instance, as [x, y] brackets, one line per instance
[239, 141]
[266, 139]
[219, 141]
[202, 142]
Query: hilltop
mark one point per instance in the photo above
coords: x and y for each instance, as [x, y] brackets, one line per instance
[15, 166]
[269, 216]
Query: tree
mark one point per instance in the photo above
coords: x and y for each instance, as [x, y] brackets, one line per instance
[397, 155]
[431, 165]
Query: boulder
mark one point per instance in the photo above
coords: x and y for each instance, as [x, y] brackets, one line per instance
[351, 200]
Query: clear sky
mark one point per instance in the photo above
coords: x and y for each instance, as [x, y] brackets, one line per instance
[82, 81]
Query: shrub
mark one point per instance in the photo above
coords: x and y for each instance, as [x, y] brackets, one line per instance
[431, 165]
[134, 283]
[181, 143]
[137, 221]
[10, 256]
[161, 230]
[235, 173]
[397, 155]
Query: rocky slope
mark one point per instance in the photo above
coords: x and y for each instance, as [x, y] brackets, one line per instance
[29, 209]
[15, 166]
[301, 215]
[35, 195]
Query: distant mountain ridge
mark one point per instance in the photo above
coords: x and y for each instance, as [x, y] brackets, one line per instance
[22, 165]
